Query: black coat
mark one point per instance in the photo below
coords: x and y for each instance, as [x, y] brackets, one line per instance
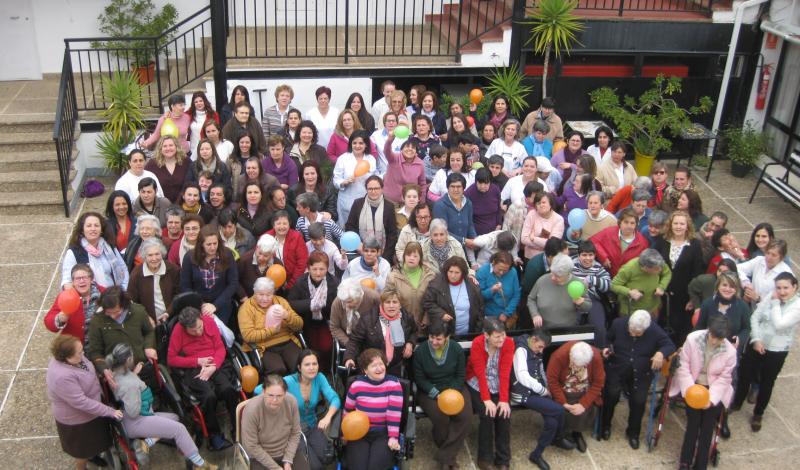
[368, 334]
[635, 353]
[437, 301]
[389, 224]
[300, 298]
[688, 266]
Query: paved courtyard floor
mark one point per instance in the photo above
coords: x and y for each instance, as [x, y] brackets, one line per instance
[29, 270]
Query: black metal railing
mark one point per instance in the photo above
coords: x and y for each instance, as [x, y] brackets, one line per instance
[619, 7]
[165, 63]
[64, 128]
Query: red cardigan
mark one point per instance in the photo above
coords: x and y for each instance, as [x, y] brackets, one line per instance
[606, 242]
[185, 349]
[295, 256]
[558, 368]
[74, 326]
[622, 199]
[476, 366]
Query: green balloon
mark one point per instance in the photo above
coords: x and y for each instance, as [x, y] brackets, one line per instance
[477, 165]
[401, 132]
[575, 289]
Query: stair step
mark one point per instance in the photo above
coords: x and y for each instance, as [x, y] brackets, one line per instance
[36, 160]
[27, 123]
[25, 141]
[32, 203]
[30, 181]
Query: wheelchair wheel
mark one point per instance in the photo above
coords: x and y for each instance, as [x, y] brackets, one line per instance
[112, 457]
[169, 393]
[714, 458]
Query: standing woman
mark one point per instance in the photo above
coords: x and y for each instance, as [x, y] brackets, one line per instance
[177, 106]
[429, 106]
[773, 328]
[565, 160]
[74, 392]
[170, 166]
[762, 234]
[615, 173]
[541, 224]
[455, 163]
[324, 116]
[306, 149]
[441, 246]
[660, 187]
[499, 112]
[423, 136]
[600, 150]
[190, 228]
[254, 173]
[189, 202]
[597, 218]
[575, 196]
[457, 126]
[200, 112]
[120, 220]
[350, 186]
[291, 250]
[243, 150]
[76, 324]
[311, 182]
[289, 130]
[208, 160]
[213, 132]
[355, 103]
[454, 299]
[417, 230]
[689, 201]
[346, 124]
[410, 201]
[485, 198]
[129, 181]
[210, 270]
[410, 279]
[374, 216]
[507, 146]
[278, 163]
[253, 214]
[684, 256]
[272, 119]
[239, 93]
[499, 286]
[92, 243]
[402, 169]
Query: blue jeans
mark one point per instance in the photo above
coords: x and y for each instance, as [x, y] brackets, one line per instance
[553, 415]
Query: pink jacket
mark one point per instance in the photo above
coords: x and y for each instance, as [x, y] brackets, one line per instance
[532, 230]
[339, 143]
[182, 123]
[400, 173]
[720, 369]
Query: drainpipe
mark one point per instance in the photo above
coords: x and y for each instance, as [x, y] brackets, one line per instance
[726, 76]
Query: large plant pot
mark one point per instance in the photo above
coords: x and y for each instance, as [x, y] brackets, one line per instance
[146, 73]
[642, 163]
[740, 171]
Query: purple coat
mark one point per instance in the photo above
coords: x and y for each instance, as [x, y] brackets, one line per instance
[570, 200]
[486, 212]
[559, 157]
[286, 174]
[74, 393]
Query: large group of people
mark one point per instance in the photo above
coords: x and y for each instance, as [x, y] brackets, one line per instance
[465, 229]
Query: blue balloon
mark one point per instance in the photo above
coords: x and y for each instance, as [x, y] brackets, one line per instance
[576, 219]
[350, 241]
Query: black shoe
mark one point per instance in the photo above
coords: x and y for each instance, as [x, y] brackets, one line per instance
[580, 442]
[605, 434]
[633, 442]
[725, 431]
[563, 443]
[539, 461]
[98, 461]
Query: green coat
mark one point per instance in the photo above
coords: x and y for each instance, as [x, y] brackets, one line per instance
[432, 378]
[631, 276]
[105, 333]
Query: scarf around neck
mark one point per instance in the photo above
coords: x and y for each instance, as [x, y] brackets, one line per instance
[440, 254]
[370, 223]
[394, 336]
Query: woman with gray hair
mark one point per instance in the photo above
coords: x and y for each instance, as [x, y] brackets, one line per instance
[352, 301]
[575, 378]
[155, 282]
[254, 264]
[147, 227]
[597, 218]
[636, 349]
[441, 246]
[549, 302]
[641, 282]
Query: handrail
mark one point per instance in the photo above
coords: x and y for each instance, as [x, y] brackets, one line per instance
[64, 127]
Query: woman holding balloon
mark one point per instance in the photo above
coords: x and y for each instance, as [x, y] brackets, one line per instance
[402, 168]
[704, 377]
[351, 171]
[174, 122]
[439, 371]
[74, 308]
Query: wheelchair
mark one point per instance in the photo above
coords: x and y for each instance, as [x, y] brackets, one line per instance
[240, 458]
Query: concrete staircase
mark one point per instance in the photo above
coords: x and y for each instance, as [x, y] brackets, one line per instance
[29, 179]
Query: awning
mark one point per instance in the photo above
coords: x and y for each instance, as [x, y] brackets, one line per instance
[786, 32]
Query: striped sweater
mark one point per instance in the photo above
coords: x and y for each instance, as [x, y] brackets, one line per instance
[597, 278]
[381, 401]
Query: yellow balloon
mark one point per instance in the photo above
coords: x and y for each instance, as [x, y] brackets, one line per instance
[168, 127]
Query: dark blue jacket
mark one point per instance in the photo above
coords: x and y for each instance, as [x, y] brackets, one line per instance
[459, 222]
[635, 353]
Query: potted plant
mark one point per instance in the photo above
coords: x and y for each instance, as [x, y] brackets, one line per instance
[646, 122]
[553, 27]
[132, 19]
[744, 146]
[508, 81]
[125, 119]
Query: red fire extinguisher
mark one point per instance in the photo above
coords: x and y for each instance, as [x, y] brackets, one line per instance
[763, 87]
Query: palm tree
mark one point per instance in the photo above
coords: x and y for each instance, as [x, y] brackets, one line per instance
[553, 27]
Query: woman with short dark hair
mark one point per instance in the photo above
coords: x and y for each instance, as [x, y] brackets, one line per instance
[454, 299]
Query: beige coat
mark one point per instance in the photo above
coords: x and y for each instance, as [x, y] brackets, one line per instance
[455, 250]
[607, 176]
[410, 297]
[338, 321]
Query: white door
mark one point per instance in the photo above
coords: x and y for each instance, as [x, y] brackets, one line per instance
[20, 55]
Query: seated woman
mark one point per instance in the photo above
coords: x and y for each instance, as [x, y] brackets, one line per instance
[190, 227]
[91, 243]
[774, 324]
[210, 270]
[387, 328]
[380, 395]
[636, 348]
[597, 280]
[641, 282]
[254, 264]
[541, 224]
[120, 219]
[311, 389]
[499, 286]
[410, 279]
[575, 378]
[312, 297]
[485, 198]
[352, 302]
[489, 382]
[291, 249]
[75, 399]
[707, 359]
[597, 218]
[147, 227]
[618, 245]
[155, 282]
[232, 236]
[271, 429]
[369, 265]
[374, 216]
[76, 324]
[441, 246]
[139, 419]
[615, 173]
[253, 215]
[269, 323]
[453, 299]
[439, 365]
[549, 303]
[197, 350]
[417, 230]
[537, 144]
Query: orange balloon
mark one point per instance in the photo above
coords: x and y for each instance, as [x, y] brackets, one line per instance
[249, 376]
[277, 273]
[355, 425]
[471, 121]
[695, 317]
[558, 146]
[367, 282]
[450, 402]
[697, 396]
[476, 96]
[362, 168]
[69, 301]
